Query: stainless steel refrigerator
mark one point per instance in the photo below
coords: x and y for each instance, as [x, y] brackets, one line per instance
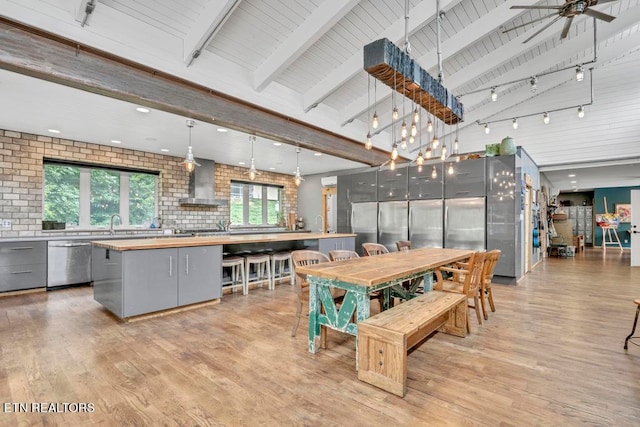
[364, 223]
[393, 223]
[425, 223]
[464, 223]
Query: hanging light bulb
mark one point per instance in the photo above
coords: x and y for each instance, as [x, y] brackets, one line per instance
[580, 112]
[414, 129]
[375, 122]
[534, 84]
[443, 152]
[494, 94]
[394, 113]
[455, 146]
[427, 152]
[368, 143]
[420, 159]
[457, 159]
[403, 129]
[416, 115]
[403, 143]
[546, 118]
[412, 140]
[515, 123]
[450, 170]
[579, 73]
[394, 152]
[434, 172]
[392, 165]
[419, 168]
[297, 177]
[486, 128]
[189, 162]
[429, 125]
[435, 141]
[253, 172]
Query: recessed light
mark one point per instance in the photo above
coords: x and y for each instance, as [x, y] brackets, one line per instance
[317, 154]
[277, 144]
[223, 130]
[572, 175]
[241, 163]
[53, 130]
[150, 138]
[573, 182]
[142, 110]
[115, 141]
[272, 168]
[164, 150]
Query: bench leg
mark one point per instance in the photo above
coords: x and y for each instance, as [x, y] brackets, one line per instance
[633, 330]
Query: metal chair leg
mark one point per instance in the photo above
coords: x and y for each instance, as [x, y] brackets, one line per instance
[633, 330]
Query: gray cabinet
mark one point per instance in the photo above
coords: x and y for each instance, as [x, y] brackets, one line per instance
[329, 244]
[23, 265]
[422, 186]
[130, 283]
[363, 187]
[581, 219]
[200, 268]
[467, 180]
[393, 184]
[343, 204]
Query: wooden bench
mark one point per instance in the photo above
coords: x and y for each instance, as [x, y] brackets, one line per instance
[385, 339]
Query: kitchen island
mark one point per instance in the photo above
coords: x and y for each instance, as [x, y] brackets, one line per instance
[132, 277]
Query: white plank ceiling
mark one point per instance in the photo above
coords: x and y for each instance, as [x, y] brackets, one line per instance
[304, 59]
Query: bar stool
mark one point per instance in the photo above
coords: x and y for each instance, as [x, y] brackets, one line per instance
[262, 263]
[282, 260]
[635, 322]
[237, 274]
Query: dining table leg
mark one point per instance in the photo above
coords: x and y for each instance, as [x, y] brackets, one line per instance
[314, 312]
[363, 312]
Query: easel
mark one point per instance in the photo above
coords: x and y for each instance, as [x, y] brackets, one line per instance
[607, 239]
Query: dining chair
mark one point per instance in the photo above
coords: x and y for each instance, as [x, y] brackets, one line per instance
[491, 259]
[467, 281]
[370, 249]
[342, 254]
[303, 258]
[403, 245]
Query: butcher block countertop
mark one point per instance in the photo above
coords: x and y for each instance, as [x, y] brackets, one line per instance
[182, 242]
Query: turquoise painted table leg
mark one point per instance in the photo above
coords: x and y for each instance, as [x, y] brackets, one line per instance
[363, 307]
[314, 312]
[428, 281]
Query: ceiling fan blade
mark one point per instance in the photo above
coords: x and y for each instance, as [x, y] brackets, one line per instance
[543, 28]
[599, 15]
[565, 29]
[530, 22]
[536, 7]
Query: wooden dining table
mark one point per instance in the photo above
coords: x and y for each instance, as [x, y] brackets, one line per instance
[359, 277]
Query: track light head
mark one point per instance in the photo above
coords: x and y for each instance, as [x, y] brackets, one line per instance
[494, 94]
[534, 84]
[579, 73]
[546, 119]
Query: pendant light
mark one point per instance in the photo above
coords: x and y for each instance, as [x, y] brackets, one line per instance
[374, 121]
[297, 178]
[450, 170]
[434, 172]
[368, 144]
[189, 162]
[252, 172]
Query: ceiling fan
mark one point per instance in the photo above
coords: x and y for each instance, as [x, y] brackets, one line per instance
[569, 10]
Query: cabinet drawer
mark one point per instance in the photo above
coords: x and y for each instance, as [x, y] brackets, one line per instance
[17, 277]
[23, 253]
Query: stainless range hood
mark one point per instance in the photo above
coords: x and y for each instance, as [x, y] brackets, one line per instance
[202, 186]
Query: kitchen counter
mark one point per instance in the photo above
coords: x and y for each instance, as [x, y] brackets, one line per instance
[183, 242]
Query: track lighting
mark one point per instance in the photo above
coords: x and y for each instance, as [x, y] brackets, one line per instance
[486, 128]
[580, 112]
[494, 94]
[515, 123]
[534, 84]
[375, 122]
[579, 73]
[434, 172]
[545, 118]
[368, 143]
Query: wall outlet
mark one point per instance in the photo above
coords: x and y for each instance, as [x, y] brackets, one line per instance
[6, 223]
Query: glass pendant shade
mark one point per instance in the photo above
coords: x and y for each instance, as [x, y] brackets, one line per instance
[394, 152]
[416, 115]
[420, 159]
[368, 143]
[435, 142]
[414, 129]
[455, 146]
[392, 165]
[375, 122]
[189, 162]
[394, 113]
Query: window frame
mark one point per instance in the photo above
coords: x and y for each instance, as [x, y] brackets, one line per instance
[265, 202]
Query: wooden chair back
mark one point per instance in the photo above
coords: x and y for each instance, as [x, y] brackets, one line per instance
[403, 245]
[370, 249]
[303, 258]
[491, 259]
[473, 279]
[342, 254]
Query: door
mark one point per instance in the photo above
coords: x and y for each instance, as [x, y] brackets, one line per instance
[364, 223]
[393, 223]
[635, 228]
[464, 223]
[425, 223]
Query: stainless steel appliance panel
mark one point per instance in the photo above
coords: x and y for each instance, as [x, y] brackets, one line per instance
[422, 186]
[464, 223]
[392, 184]
[364, 187]
[344, 204]
[364, 223]
[393, 223]
[425, 223]
[69, 262]
[467, 180]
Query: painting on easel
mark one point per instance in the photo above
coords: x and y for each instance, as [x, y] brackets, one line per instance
[623, 210]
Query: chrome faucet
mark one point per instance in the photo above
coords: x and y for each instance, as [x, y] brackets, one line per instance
[321, 222]
[111, 230]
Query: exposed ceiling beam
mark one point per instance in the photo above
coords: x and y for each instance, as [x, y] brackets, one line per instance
[315, 26]
[450, 47]
[423, 13]
[209, 22]
[48, 57]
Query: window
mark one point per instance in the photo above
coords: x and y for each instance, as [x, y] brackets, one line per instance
[88, 196]
[255, 204]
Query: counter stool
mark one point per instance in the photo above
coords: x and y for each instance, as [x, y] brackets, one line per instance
[282, 260]
[635, 322]
[236, 273]
[262, 265]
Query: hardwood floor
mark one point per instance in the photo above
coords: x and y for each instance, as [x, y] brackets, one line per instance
[552, 354]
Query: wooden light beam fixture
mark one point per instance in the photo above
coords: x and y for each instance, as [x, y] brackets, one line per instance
[384, 60]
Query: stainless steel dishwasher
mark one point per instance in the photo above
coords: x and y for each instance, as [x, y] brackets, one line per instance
[69, 262]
